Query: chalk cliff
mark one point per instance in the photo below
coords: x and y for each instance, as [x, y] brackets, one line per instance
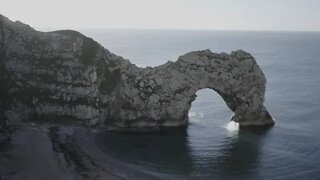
[66, 77]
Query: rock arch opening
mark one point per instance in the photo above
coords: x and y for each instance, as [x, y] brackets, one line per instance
[209, 106]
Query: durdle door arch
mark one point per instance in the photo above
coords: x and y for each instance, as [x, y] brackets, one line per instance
[165, 93]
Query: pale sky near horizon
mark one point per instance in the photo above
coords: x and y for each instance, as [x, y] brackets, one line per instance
[275, 15]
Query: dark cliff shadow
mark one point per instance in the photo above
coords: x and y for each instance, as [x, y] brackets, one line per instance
[165, 151]
[170, 152]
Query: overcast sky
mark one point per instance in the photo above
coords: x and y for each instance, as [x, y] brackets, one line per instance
[296, 15]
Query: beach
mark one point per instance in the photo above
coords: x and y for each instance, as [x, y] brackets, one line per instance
[59, 152]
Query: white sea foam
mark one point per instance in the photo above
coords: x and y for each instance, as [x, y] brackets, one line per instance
[232, 126]
[192, 114]
[196, 114]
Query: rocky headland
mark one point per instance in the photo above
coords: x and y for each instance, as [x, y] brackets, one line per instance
[66, 77]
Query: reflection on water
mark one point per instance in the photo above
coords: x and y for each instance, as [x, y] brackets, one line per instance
[242, 155]
[172, 152]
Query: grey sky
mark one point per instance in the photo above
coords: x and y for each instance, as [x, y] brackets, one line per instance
[297, 15]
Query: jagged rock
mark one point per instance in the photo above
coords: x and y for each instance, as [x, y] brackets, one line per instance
[67, 77]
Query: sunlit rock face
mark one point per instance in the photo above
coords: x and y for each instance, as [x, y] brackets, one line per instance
[65, 77]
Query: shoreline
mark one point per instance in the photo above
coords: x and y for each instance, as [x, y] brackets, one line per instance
[60, 152]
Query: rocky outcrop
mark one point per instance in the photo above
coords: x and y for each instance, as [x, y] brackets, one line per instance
[63, 76]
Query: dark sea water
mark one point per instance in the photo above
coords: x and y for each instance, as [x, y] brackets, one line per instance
[210, 148]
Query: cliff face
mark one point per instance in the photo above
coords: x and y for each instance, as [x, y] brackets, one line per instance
[55, 74]
[67, 77]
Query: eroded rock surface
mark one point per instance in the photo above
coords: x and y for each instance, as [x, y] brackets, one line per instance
[63, 76]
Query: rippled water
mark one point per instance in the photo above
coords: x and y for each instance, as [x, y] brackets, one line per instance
[210, 147]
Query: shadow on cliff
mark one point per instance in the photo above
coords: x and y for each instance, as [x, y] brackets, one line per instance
[170, 152]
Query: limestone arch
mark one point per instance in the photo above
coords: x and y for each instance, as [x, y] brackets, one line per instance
[161, 96]
[237, 78]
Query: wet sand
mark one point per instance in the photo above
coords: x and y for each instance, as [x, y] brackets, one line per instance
[60, 152]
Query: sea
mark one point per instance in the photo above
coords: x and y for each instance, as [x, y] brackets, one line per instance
[212, 147]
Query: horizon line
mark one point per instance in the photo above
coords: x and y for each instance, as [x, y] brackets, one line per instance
[167, 29]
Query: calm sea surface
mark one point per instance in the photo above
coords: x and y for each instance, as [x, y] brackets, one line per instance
[209, 149]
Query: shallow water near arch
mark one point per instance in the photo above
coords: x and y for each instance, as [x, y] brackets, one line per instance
[207, 149]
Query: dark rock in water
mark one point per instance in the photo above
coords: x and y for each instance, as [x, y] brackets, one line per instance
[64, 76]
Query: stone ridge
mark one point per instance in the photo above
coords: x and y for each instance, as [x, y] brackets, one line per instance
[66, 77]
